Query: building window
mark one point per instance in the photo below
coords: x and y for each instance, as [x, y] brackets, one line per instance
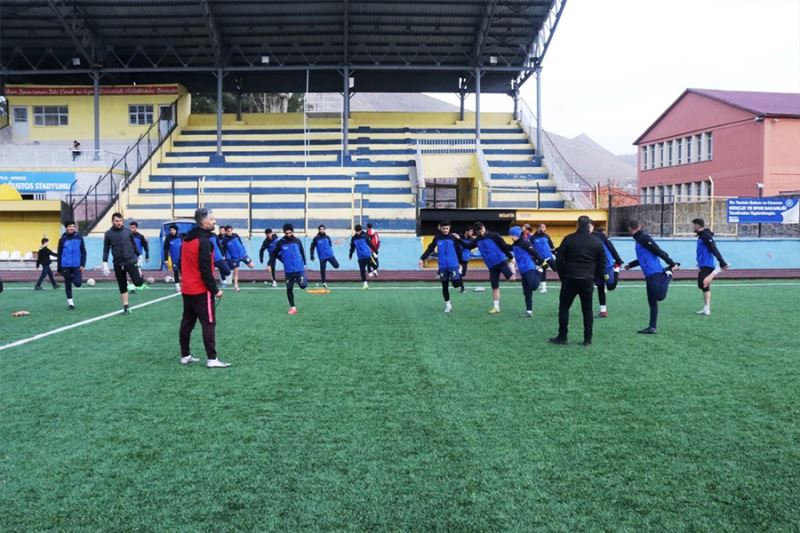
[680, 151]
[670, 151]
[699, 140]
[661, 154]
[709, 146]
[644, 158]
[140, 115]
[688, 149]
[50, 115]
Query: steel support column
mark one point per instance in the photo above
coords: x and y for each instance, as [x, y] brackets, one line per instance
[515, 97]
[539, 111]
[477, 107]
[96, 98]
[346, 114]
[462, 96]
[219, 112]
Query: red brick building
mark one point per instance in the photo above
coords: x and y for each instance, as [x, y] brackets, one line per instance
[728, 142]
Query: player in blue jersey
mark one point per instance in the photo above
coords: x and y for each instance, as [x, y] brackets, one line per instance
[657, 278]
[613, 263]
[528, 266]
[172, 253]
[290, 251]
[707, 256]
[545, 248]
[498, 258]
[270, 240]
[236, 253]
[323, 245]
[71, 259]
[362, 246]
[448, 253]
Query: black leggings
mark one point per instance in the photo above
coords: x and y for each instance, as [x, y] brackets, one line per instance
[133, 271]
[323, 264]
[271, 266]
[46, 273]
[72, 276]
[657, 286]
[530, 282]
[291, 279]
[362, 267]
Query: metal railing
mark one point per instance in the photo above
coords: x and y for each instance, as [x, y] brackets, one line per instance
[566, 177]
[26, 156]
[447, 146]
[100, 197]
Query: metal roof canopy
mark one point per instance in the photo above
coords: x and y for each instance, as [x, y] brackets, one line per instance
[270, 44]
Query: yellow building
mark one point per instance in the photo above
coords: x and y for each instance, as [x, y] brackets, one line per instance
[62, 113]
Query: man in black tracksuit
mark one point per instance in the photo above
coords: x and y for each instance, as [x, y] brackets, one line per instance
[43, 260]
[581, 259]
[119, 240]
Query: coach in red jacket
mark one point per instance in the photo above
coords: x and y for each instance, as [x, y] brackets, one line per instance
[199, 289]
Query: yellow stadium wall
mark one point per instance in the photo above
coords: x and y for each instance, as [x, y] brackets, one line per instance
[113, 114]
[23, 223]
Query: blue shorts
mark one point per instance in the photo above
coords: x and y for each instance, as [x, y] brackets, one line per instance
[449, 275]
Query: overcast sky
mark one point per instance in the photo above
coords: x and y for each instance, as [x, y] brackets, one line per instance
[615, 65]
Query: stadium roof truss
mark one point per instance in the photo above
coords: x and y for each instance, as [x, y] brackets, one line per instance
[271, 43]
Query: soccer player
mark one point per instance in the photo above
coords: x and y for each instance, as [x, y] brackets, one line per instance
[270, 240]
[219, 258]
[544, 246]
[43, 260]
[172, 251]
[707, 256]
[657, 278]
[613, 263]
[290, 251]
[199, 289]
[372, 267]
[581, 260]
[466, 254]
[237, 254]
[142, 247]
[498, 257]
[71, 259]
[448, 252]
[363, 247]
[528, 261]
[119, 240]
[324, 248]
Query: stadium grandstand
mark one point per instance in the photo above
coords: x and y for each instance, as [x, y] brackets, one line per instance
[118, 77]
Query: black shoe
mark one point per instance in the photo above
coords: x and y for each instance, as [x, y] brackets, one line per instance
[71, 307]
[647, 331]
[56, 286]
[462, 289]
[587, 343]
[126, 311]
[37, 287]
[558, 340]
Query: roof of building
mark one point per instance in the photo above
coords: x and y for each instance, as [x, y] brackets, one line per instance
[757, 102]
[272, 43]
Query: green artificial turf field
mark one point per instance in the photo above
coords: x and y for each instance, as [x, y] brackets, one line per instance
[373, 410]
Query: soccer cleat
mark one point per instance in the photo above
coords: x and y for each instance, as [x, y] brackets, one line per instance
[603, 314]
[216, 363]
[325, 285]
[557, 340]
[448, 307]
[292, 310]
[542, 289]
[274, 283]
[365, 286]
[37, 287]
[188, 360]
[705, 312]
[56, 286]
[526, 315]
[647, 331]
[494, 311]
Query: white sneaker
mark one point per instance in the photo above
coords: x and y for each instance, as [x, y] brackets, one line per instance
[188, 360]
[178, 287]
[324, 285]
[371, 274]
[703, 312]
[216, 363]
[542, 289]
[365, 286]
[448, 307]
[274, 283]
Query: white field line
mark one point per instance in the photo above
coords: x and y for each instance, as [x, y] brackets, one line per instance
[82, 323]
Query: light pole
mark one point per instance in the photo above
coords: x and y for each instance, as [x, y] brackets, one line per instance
[760, 186]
